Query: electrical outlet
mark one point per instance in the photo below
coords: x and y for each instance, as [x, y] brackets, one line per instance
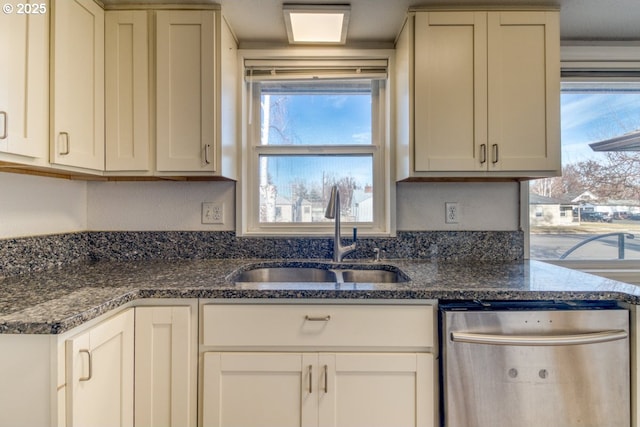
[451, 212]
[212, 213]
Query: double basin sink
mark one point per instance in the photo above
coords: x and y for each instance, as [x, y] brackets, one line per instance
[317, 272]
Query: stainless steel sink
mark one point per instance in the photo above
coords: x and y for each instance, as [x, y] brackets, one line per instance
[370, 276]
[286, 274]
[321, 272]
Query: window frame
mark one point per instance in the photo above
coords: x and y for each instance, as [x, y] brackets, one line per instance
[248, 223]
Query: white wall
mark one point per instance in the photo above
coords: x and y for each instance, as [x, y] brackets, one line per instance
[482, 206]
[34, 205]
[129, 206]
[157, 205]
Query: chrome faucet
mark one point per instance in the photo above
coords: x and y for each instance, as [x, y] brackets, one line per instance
[333, 212]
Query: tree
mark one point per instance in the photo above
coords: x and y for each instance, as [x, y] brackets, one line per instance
[346, 186]
[616, 176]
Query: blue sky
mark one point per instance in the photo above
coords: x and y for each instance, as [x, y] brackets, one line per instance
[326, 119]
[592, 117]
[320, 120]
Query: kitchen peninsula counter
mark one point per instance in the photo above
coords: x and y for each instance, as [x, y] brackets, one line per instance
[57, 300]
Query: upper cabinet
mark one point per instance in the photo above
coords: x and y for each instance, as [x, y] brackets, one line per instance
[127, 103]
[177, 101]
[478, 95]
[185, 91]
[24, 82]
[77, 84]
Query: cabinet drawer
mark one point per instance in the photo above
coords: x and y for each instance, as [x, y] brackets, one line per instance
[276, 325]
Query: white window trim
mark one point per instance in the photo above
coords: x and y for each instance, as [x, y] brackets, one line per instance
[246, 200]
[602, 57]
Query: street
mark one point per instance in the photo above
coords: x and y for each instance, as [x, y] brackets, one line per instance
[552, 242]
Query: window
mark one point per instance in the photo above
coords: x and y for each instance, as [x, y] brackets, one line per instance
[308, 129]
[591, 212]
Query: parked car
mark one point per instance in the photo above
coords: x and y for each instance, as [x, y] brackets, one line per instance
[596, 217]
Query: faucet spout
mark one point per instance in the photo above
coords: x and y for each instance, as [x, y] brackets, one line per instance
[333, 212]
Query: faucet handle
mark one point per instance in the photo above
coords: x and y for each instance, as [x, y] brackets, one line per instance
[376, 254]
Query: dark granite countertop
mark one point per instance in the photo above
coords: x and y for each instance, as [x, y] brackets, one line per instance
[57, 300]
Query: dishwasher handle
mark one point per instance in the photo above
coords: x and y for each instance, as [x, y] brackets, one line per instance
[539, 340]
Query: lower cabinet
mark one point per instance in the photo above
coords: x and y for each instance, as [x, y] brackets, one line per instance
[165, 367]
[318, 365]
[100, 374]
[206, 363]
[317, 389]
[108, 370]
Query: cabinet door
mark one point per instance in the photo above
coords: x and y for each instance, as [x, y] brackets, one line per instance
[100, 374]
[127, 139]
[524, 91]
[185, 91]
[450, 81]
[78, 84]
[260, 390]
[24, 79]
[165, 375]
[376, 390]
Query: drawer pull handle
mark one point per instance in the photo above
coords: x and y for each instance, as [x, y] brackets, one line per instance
[317, 318]
[87, 378]
[310, 379]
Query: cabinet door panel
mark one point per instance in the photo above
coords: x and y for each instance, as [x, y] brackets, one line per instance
[259, 390]
[377, 390]
[127, 137]
[78, 84]
[185, 123]
[24, 83]
[100, 374]
[450, 89]
[165, 391]
[523, 91]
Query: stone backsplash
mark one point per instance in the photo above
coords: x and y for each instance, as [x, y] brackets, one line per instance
[23, 255]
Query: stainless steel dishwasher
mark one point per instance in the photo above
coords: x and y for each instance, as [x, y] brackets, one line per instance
[538, 364]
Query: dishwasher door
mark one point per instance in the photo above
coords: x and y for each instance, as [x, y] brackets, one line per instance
[539, 368]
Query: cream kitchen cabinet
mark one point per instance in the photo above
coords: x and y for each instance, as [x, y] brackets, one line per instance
[77, 85]
[100, 367]
[24, 83]
[479, 94]
[166, 366]
[185, 91]
[127, 104]
[184, 122]
[323, 389]
[85, 376]
[318, 365]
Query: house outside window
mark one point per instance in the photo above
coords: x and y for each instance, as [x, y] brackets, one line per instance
[311, 125]
[592, 212]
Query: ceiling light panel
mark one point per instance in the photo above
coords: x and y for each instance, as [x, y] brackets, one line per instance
[316, 24]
